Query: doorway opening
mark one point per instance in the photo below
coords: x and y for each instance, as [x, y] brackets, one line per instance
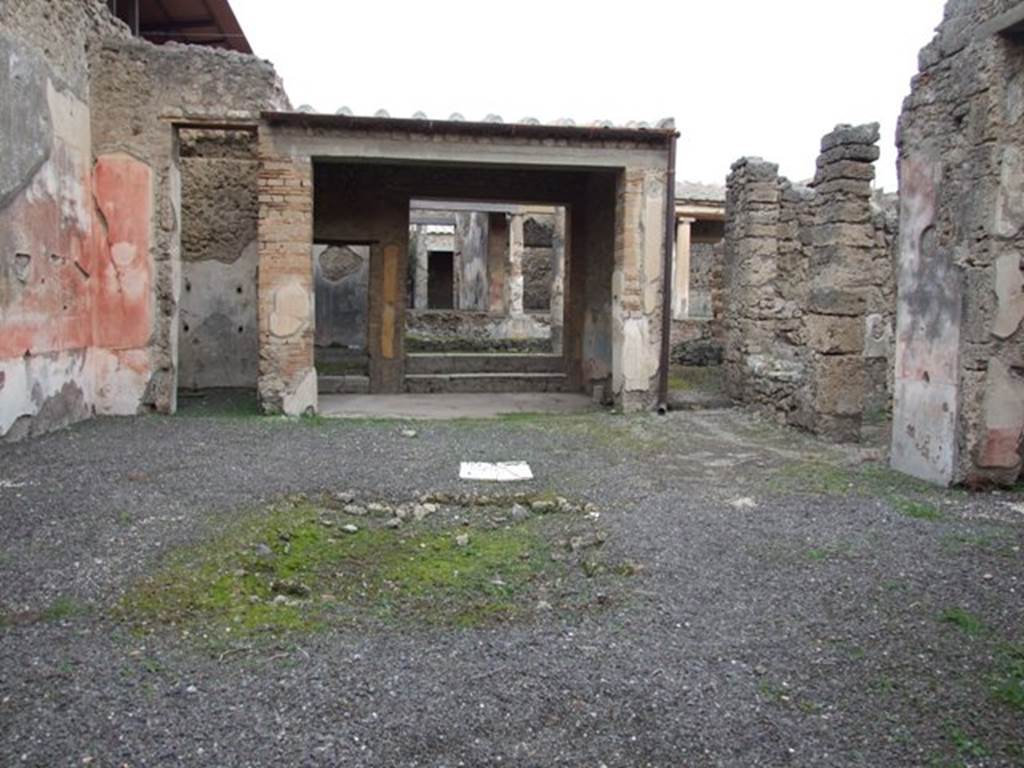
[341, 280]
[484, 309]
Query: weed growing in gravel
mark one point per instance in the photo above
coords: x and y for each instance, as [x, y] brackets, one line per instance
[1001, 542]
[64, 607]
[905, 495]
[622, 435]
[967, 746]
[965, 620]
[302, 567]
[774, 691]
[918, 510]
[829, 552]
[1008, 682]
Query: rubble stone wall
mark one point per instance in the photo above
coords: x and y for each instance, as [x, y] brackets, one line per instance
[809, 277]
[959, 375]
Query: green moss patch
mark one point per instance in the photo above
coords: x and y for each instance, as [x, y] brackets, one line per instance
[301, 566]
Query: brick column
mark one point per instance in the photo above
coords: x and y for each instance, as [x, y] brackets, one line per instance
[841, 275]
[287, 379]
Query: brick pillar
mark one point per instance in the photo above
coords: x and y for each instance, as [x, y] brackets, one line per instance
[841, 271]
[287, 378]
[752, 212]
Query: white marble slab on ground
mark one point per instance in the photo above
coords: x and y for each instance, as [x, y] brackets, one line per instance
[495, 472]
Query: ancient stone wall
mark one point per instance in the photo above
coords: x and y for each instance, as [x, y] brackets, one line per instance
[90, 214]
[809, 276]
[765, 356]
[139, 89]
[218, 342]
[959, 377]
[73, 309]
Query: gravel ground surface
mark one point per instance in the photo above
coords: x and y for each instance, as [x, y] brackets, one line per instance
[796, 605]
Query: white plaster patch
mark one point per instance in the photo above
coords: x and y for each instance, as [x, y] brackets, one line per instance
[1015, 98]
[1004, 415]
[123, 254]
[73, 150]
[291, 310]
[119, 379]
[29, 382]
[1009, 215]
[495, 472]
[639, 357]
[304, 399]
[1009, 285]
[877, 336]
[924, 429]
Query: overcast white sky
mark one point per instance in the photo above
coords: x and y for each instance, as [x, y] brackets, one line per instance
[741, 77]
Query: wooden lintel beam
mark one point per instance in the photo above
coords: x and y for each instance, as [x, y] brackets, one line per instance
[178, 24]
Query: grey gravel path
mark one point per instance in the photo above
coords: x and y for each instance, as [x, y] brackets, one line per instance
[776, 620]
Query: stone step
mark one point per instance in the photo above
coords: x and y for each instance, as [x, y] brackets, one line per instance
[343, 385]
[422, 363]
[424, 383]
